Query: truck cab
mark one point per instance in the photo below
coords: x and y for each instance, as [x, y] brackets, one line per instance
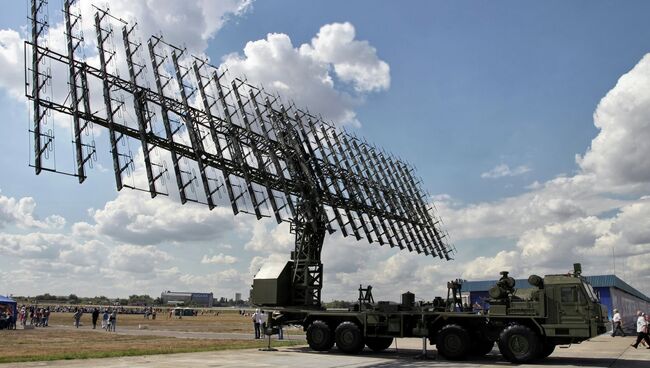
[573, 311]
[565, 306]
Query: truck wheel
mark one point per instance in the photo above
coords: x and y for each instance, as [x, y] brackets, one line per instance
[349, 338]
[453, 342]
[379, 343]
[519, 344]
[319, 336]
[481, 347]
[547, 349]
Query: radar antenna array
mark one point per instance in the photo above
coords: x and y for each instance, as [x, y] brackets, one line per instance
[227, 140]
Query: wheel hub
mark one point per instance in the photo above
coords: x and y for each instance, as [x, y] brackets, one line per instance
[453, 343]
[347, 337]
[518, 345]
[318, 336]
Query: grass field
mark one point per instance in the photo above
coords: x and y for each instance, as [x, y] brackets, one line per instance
[83, 343]
[50, 344]
[226, 321]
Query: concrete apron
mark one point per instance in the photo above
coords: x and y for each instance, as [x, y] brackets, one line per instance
[602, 351]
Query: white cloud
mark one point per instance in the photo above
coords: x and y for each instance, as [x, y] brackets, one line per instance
[11, 60]
[135, 259]
[219, 259]
[263, 240]
[618, 155]
[483, 267]
[135, 218]
[303, 73]
[190, 23]
[354, 61]
[33, 245]
[20, 212]
[557, 200]
[503, 170]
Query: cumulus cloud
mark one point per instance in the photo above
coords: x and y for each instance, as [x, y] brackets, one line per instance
[503, 170]
[136, 259]
[135, 218]
[618, 155]
[33, 245]
[11, 60]
[303, 73]
[354, 61]
[219, 259]
[20, 212]
[273, 240]
[484, 267]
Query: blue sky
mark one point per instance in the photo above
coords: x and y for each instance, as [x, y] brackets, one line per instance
[491, 101]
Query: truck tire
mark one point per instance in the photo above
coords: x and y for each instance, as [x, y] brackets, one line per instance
[319, 336]
[349, 338]
[379, 343]
[546, 350]
[519, 344]
[453, 342]
[481, 347]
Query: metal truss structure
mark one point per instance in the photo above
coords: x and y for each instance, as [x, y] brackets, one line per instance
[225, 137]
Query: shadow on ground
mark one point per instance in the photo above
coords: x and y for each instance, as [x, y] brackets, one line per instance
[410, 358]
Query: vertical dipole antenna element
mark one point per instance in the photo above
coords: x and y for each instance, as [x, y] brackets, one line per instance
[192, 130]
[102, 37]
[140, 106]
[157, 61]
[264, 127]
[236, 140]
[72, 45]
[37, 29]
[319, 172]
[254, 144]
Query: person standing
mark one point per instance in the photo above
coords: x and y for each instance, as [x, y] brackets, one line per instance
[258, 319]
[95, 317]
[46, 317]
[105, 319]
[112, 321]
[617, 324]
[77, 317]
[641, 330]
[22, 316]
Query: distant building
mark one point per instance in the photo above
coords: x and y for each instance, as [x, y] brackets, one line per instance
[612, 291]
[237, 297]
[186, 298]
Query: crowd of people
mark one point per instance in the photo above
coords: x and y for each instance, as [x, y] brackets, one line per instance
[39, 316]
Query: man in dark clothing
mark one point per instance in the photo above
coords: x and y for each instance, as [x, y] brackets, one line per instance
[95, 317]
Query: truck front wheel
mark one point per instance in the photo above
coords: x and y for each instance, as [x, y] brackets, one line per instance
[349, 338]
[453, 342]
[519, 344]
[379, 343]
[319, 336]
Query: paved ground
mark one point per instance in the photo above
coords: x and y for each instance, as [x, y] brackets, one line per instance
[602, 351]
[183, 334]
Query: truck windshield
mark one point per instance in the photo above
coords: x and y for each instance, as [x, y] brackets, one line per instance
[590, 292]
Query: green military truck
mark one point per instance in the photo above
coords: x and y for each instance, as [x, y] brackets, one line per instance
[525, 323]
